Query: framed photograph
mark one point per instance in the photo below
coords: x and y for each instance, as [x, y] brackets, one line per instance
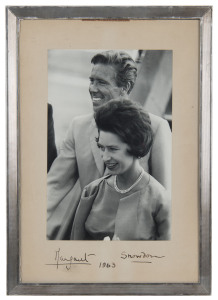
[109, 150]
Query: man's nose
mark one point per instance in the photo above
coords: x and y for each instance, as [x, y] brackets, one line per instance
[93, 87]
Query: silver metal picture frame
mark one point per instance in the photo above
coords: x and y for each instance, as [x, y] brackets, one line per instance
[14, 16]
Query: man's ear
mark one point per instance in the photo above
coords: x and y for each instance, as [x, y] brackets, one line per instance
[122, 91]
[125, 90]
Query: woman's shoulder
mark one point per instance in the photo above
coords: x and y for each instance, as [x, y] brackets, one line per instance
[156, 189]
[156, 185]
[94, 186]
[156, 195]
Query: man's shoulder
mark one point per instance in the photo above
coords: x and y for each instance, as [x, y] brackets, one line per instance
[157, 121]
[80, 123]
[83, 118]
[83, 121]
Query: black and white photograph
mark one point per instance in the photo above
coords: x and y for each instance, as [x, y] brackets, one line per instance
[109, 144]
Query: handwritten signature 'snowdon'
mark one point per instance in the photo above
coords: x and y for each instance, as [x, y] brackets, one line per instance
[141, 257]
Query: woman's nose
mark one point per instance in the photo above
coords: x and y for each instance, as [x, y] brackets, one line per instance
[106, 157]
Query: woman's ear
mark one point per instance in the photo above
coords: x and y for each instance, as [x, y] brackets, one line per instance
[97, 138]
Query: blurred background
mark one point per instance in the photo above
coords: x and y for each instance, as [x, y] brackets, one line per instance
[68, 83]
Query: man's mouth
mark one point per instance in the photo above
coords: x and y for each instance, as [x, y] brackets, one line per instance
[96, 98]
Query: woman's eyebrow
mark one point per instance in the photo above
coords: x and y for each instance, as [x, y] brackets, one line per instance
[115, 146]
[108, 146]
[99, 144]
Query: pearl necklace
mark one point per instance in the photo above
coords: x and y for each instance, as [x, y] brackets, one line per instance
[131, 187]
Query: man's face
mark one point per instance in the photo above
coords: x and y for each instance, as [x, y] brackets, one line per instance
[103, 85]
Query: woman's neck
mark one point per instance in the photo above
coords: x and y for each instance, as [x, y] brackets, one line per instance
[125, 180]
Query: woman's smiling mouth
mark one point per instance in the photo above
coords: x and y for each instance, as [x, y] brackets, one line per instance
[111, 166]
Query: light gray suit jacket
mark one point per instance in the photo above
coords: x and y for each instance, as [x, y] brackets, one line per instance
[80, 163]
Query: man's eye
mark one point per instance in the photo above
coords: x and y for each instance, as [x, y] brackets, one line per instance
[101, 82]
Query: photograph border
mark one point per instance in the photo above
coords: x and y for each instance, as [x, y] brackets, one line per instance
[14, 14]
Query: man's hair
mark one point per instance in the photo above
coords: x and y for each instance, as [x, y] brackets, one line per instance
[124, 64]
[129, 121]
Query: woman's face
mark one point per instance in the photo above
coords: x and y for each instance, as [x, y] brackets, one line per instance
[114, 153]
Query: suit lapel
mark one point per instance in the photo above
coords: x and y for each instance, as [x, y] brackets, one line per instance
[94, 147]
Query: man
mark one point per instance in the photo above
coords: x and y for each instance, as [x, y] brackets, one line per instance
[79, 162]
[51, 149]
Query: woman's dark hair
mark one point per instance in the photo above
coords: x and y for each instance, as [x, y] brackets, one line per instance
[124, 65]
[129, 121]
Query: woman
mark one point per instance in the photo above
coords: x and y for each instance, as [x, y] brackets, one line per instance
[128, 203]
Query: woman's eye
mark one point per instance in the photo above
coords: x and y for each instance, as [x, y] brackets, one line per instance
[113, 149]
[100, 147]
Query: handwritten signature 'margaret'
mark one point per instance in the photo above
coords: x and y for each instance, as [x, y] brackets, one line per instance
[140, 257]
[61, 260]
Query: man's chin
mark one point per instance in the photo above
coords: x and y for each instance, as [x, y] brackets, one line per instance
[96, 105]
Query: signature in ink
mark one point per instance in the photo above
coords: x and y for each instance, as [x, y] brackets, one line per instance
[141, 257]
[61, 260]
